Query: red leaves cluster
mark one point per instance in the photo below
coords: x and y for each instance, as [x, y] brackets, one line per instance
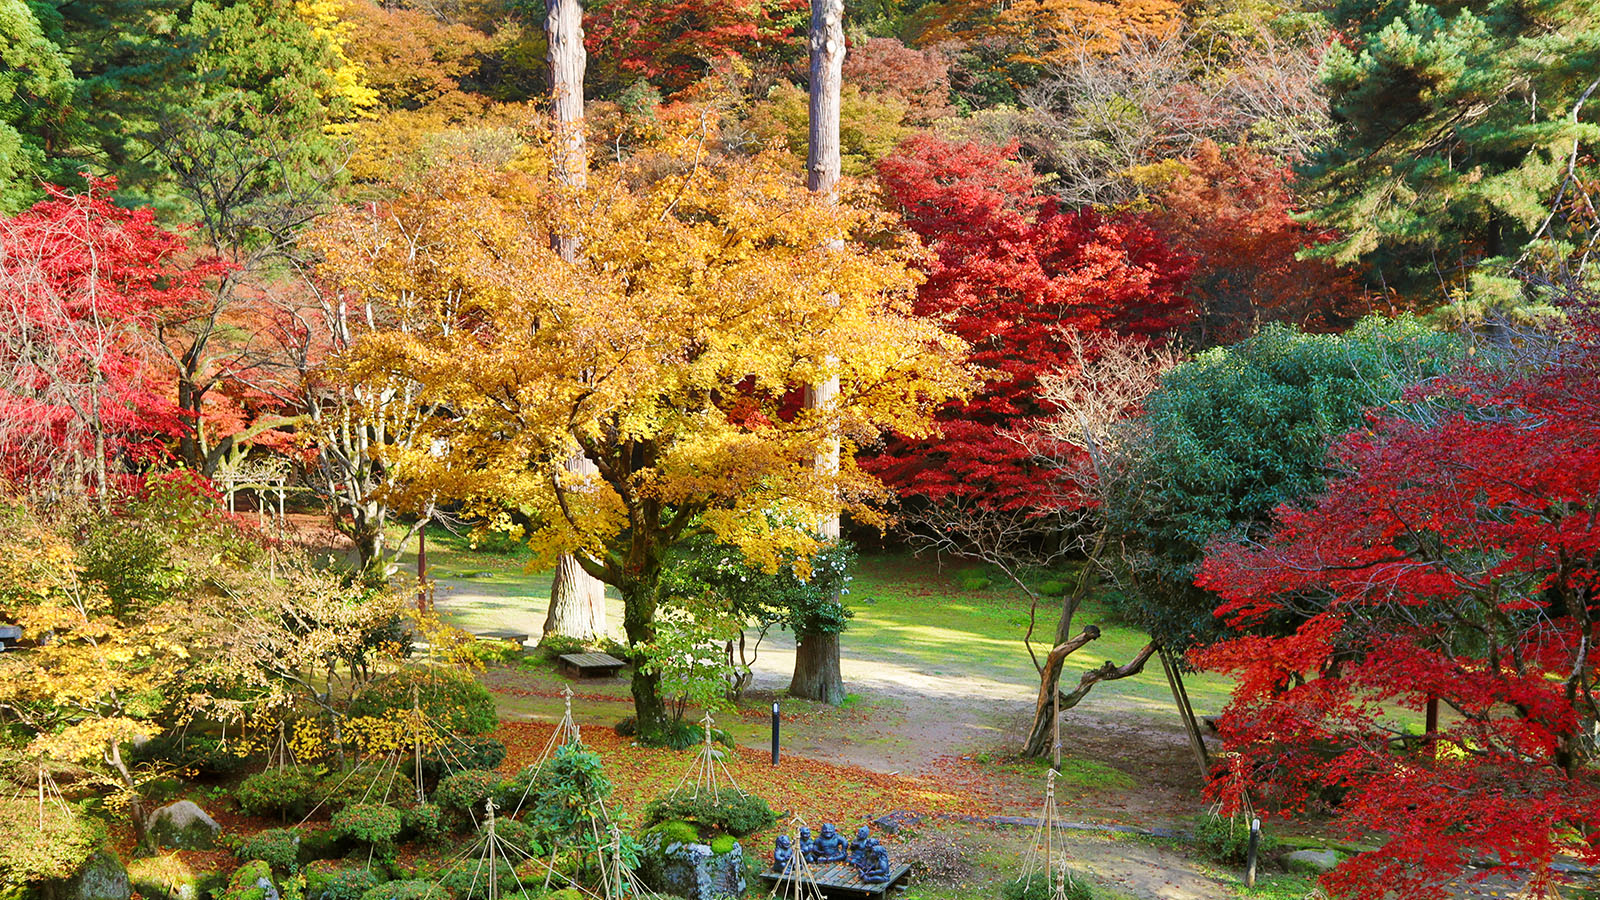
[1458, 561]
[672, 43]
[1234, 212]
[1015, 275]
[82, 282]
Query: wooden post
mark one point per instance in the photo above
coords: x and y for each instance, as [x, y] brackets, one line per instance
[422, 568]
[1185, 712]
[41, 792]
[416, 722]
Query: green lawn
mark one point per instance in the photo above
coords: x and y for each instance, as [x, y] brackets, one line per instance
[909, 613]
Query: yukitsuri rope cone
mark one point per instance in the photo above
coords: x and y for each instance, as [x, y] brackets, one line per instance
[1045, 861]
[704, 772]
[566, 733]
[801, 883]
[44, 792]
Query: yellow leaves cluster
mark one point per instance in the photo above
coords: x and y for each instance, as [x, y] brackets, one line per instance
[709, 287]
[394, 732]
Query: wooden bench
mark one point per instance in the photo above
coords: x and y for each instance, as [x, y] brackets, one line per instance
[842, 880]
[586, 665]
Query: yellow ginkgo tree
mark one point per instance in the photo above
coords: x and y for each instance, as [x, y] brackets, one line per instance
[671, 353]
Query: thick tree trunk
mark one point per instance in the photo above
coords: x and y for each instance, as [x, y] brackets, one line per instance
[816, 669]
[577, 599]
[577, 603]
[639, 600]
[816, 660]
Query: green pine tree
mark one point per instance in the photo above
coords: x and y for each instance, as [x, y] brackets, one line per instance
[1456, 124]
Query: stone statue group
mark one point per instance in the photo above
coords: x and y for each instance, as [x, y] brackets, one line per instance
[865, 853]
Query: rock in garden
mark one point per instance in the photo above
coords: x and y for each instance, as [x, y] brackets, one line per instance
[101, 878]
[1312, 862]
[182, 826]
[694, 871]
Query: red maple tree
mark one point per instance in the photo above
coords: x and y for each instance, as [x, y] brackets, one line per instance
[82, 280]
[1234, 212]
[1016, 276]
[673, 43]
[1455, 568]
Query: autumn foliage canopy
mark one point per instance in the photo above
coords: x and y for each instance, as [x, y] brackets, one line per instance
[1458, 560]
[1015, 275]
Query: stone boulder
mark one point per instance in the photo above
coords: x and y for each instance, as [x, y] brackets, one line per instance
[693, 870]
[1312, 862]
[101, 878]
[182, 826]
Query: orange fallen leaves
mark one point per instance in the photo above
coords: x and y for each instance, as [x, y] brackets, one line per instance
[817, 791]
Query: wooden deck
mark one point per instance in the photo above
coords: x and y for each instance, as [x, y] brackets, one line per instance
[584, 665]
[842, 880]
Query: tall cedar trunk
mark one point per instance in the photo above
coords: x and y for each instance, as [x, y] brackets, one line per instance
[816, 659]
[577, 599]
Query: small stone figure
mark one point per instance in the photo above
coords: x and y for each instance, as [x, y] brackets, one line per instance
[808, 847]
[878, 871]
[782, 854]
[861, 848]
[830, 847]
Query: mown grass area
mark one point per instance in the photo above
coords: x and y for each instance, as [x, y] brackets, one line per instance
[956, 621]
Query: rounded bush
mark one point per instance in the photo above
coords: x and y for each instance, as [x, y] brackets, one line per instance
[463, 793]
[466, 753]
[423, 822]
[368, 823]
[1038, 888]
[407, 890]
[732, 812]
[340, 884]
[450, 698]
[518, 835]
[1227, 841]
[277, 847]
[289, 792]
[342, 788]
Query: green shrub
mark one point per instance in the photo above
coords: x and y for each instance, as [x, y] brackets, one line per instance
[349, 786]
[676, 831]
[423, 822]
[467, 881]
[554, 645]
[462, 794]
[317, 844]
[450, 698]
[29, 855]
[485, 753]
[519, 835]
[732, 812]
[1052, 588]
[1227, 841]
[1038, 888]
[407, 890]
[245, 883]
[371, 824]
[277, 847]
[340, 884]
[197, 751]
[287, 792]
[973, 581]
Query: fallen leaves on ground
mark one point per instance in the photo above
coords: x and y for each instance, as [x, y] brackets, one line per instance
[816, 791]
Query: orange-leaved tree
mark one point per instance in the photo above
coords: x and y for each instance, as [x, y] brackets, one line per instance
[669, 353]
